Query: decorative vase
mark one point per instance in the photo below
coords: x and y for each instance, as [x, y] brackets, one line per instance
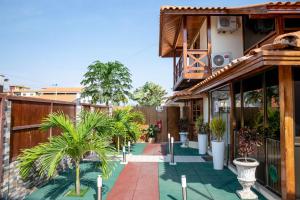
[246, 176]
[218, 149]
[183, 138]
[202, 143]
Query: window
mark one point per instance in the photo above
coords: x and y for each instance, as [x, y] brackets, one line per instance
[256, 30]
[296, 74]
[292, 23]
[197, 108]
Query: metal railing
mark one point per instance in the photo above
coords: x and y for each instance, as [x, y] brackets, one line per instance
[273, 165]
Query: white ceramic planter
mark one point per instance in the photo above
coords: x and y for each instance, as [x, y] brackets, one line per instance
[246, 176]
[202, 143]
[183, 138]
[218, 149]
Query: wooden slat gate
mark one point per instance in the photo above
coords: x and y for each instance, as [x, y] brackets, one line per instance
[169, 117]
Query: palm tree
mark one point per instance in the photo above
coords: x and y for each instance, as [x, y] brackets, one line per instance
[74, 142]
[127, 124]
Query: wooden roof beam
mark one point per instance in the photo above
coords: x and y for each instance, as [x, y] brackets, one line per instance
[177, 33]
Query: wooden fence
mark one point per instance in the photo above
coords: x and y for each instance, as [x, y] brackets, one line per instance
[26, 118]
[169, 116]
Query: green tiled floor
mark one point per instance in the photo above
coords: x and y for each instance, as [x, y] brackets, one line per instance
[185, 151]
[56, 188]
[204, 183]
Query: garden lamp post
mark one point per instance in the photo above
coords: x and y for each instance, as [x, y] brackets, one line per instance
[172, 161]
[129, 148]
[124, 161]
[184, 190]
[169, 143]
[99, 185]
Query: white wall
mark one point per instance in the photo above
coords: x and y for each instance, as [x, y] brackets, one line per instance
[227, 42]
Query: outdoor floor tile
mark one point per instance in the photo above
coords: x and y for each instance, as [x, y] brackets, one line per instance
[155, 149]
[204, 183]
[56, 188]
[140, 180]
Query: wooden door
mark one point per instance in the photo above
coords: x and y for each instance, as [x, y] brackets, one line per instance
[173, 116]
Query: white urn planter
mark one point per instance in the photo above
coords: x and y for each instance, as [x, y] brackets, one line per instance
[246, 176]
[202, 143]
[218, 151]
[183, 138]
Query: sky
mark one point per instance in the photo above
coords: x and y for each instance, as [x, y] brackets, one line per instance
[43, 43]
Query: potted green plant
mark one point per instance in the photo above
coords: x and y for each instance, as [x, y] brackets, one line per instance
[249, 140]
[151, 132]
[217, 127]
[183, 131]
[202, 128]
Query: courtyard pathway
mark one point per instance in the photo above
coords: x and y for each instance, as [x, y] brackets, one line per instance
[148, 176]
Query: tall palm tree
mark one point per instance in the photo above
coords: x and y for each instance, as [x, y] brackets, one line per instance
[107, 82]
[74, 142]
[127, 124]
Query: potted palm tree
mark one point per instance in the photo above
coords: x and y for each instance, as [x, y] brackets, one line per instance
[183, 131]
[217, 127]
[74, 142]
[152, 131]
[202, 129]
[249, 140]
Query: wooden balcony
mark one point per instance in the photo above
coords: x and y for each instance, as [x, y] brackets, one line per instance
[191, 68]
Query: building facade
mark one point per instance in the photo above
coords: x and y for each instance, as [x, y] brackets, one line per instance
[241, 64]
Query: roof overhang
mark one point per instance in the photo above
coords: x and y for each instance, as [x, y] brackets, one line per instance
[253, 65]
[171, 16]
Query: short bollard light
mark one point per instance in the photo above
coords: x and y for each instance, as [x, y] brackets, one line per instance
[169, 143]
[124, 161]
[184, 190]
[172, 161]
[129, 150]
[99, 186]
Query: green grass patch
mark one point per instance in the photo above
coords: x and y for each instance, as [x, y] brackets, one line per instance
[72, 192]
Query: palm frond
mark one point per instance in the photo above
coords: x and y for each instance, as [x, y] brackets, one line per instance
[61, 121]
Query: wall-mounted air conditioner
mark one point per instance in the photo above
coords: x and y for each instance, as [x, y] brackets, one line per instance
[219, 60]
[227, 24]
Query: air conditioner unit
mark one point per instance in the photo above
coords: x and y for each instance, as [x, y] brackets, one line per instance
[219, 60]
[227, 24]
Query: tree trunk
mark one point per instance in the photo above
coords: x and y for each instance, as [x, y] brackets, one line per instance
[77, 185]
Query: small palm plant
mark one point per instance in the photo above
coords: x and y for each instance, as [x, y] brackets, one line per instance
[127, 124]
[74, 142]
[218, 127]
[201, 126]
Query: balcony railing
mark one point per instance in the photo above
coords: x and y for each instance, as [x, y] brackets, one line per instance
[194, 67]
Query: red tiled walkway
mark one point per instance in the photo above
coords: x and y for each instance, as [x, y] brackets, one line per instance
[155, 149]
[137, 181]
